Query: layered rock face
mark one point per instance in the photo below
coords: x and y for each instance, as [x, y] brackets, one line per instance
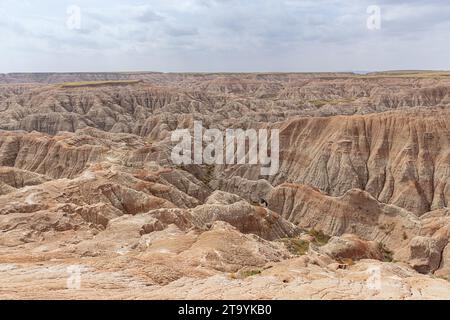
[401, 158]
[357, 209]
[164, 102]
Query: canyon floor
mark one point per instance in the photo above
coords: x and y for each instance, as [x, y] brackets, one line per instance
[93, 207]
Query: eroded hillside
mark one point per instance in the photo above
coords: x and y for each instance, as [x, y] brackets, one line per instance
[86, 180]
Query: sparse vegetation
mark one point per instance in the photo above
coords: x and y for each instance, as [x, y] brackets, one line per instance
[320, 238]
[387, 228]
[296, 246]
[446, 278]
[387, 254]
[98, 83]
[208, 176]
[99, 155]
[407, 74]
[319, 103]
[249, 273]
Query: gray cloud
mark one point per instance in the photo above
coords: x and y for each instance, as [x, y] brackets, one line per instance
[226, 35]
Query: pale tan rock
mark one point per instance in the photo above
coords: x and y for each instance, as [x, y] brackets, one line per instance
[351, 247]
[357, 212]
[387, 155]
[247, 218]
[425, 254]
[87, 184]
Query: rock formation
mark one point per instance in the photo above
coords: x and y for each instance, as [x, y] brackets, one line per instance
[357, 209]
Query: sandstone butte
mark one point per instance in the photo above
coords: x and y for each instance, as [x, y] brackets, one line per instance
[359, 208]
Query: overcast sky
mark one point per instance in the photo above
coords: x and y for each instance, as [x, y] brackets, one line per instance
[223, 35]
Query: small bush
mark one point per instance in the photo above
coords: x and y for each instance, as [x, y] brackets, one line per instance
[387, 254]
[249, 273]
[296, 246]
[320, 238]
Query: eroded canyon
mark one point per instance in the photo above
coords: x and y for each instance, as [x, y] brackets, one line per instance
[359, 207]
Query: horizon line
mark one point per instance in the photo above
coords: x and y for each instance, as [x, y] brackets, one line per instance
[222, 72]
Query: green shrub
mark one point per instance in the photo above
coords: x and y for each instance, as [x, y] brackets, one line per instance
[320, 238]
[296, 246]
[249, 273]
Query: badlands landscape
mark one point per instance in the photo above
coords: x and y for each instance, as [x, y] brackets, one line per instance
[92, 207]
